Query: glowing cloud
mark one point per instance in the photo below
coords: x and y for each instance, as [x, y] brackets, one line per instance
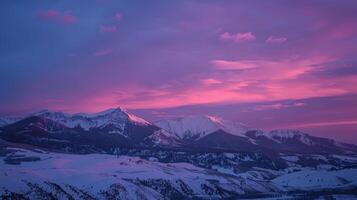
[233, 65]
[276, 40]
[277, 106]
[238, 37]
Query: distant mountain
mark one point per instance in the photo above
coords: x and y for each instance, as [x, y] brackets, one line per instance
[195, 157]
[98, 132]
[199, 126]
[208, 132]
[8, 120]
[117, 128]
[115, 118]
[296, 141]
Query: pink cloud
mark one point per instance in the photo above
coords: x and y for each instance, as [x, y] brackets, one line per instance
[49, 14]
[270, 80]
[233, 65]
[108, 29]
[275, 40]
[238, 37]
[68, 18]
[327, 123]
[211, 81]
[53, 15]
[230, 89]
[273, 69]
[277, 106]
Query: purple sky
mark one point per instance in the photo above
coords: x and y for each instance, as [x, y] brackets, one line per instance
[266, 63]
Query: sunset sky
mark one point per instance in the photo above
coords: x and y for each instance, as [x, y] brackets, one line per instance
[269, 64]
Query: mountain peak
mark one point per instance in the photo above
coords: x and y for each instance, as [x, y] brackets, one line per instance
[197, 126]
[5, 120]
[281, 135]
[116, 116]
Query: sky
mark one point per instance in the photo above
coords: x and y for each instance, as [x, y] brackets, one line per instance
[269, 64]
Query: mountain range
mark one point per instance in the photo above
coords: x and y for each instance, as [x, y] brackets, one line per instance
[114, 154]
[113, 128]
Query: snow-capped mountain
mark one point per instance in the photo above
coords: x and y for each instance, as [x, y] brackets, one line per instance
[283, 135]
[199, 126]
[116, 117]
[290, 140]
[8, 120]
[113, 128]
[197, 157]
[96, 132]
[208, 132]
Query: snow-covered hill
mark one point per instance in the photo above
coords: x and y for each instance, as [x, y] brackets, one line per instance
[198, 126]
[35, 174]
[106, 176]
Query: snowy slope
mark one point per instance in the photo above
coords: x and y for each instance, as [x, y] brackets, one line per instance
[317, 179]
[285, 140]
[6, 120]
[117, 117]
[42, 175]
[281, 135]
[201, 125]
[98, 175]
[192, 132]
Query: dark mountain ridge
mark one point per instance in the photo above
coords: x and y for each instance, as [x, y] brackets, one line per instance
[116, 128]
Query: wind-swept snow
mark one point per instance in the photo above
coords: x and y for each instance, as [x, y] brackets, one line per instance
[96, 173]
[117, 117]
[199, 126]
[317, 179]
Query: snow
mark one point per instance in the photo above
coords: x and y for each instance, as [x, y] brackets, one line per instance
[6, 120]
[317, 179]
[345, 158]
[200, 126]
[115, 116]
[291, 158]
[283, 134]
[162, 137]
[97, 172]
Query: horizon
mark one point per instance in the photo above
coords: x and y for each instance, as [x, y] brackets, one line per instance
[270, 65]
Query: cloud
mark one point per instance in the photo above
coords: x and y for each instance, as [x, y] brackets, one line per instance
[238, 37]
[233, 65]
[68, 18]
[269, 81]
[49, 14]
[108, 29]
[277, 106]
[328, 123]
[103, 52]
[275, 40]
[65, 17]
[211, 81]
[273, 69]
